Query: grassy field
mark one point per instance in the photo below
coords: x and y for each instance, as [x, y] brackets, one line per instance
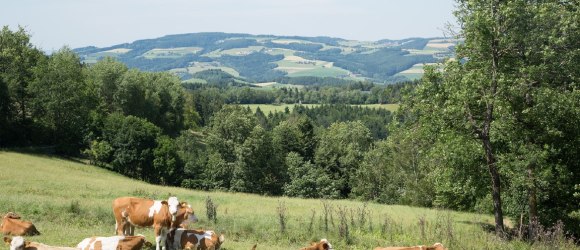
[201, 66]
[171, 52]
[69, 200]
[267, 108]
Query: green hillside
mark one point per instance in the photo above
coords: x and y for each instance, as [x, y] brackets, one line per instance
[267, 58]
[69, 200]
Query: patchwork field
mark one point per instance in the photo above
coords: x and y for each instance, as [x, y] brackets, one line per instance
[93, 58]
[236, 51]
[415, 72]
[298, 66]
[303, 56]
[171, 52]
[199, 66]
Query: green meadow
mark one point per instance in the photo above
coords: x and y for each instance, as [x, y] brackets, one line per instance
[273, 108]
[171, 52]
[69, 200]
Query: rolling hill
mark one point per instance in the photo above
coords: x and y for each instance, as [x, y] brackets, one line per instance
[266, 58]
[70, 200]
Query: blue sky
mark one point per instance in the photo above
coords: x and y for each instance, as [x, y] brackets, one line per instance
[79, 23]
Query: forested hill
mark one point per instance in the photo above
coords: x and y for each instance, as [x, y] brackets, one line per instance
[261, 58]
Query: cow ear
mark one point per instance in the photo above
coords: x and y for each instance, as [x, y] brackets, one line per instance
[164, 202]
[222, 238]
[12, 215]
[325, 246]
[7, 240]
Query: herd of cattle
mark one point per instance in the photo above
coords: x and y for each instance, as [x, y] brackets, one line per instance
[169, 219]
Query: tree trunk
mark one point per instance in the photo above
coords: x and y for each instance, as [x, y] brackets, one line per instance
[532, 203]
[489, 156]
[496, 187]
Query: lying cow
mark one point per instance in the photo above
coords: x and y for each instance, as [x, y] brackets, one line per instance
[114, 243]
[321, 245]
[180, 238]
[436, 246]
[161, 215]
[13, 225]
[18, 243]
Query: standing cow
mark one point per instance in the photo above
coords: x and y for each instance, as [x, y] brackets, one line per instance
[13, 225]
[161, 215]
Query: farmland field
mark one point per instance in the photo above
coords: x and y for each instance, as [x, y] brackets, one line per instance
[322, 72]
[235, 52]
[267, 108]
[170, 52]
[197, 67]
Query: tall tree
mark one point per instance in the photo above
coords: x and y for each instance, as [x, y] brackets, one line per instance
[516, 57]
[340, 150]
[476, 81]
[62, 99]
[18, 58]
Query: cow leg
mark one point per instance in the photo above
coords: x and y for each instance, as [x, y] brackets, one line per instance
[163, 236]
[157, 232]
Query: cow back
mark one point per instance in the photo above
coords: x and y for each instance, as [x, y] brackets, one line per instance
[112, 243]
[143, 212]
[180, 238]
[17, 227]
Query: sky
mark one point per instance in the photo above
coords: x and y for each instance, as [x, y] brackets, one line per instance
[102, 23]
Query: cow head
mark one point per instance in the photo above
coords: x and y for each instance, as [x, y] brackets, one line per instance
[188, 214]
[325, 244]
[16, 243]
[221, 240]
[12, 215]
[173, 205]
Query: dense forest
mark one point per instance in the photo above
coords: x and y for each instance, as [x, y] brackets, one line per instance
[494, 131]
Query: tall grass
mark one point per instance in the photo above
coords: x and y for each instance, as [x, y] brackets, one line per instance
[68, 201]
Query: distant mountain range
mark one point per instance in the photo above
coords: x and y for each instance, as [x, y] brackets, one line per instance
[266, 58]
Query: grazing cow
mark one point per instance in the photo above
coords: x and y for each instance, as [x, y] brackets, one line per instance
[436, 246]
[114, 243]
[322, 245]
[180, 238]
[161, 215]
[13, 225]
[18, 243]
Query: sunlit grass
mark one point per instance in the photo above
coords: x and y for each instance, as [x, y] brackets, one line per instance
[69, 201]
[273, 108]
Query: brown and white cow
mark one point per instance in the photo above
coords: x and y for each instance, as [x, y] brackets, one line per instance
[323, 244]
[18, 243]
[118, 242]
[161, 215]
[13, 225]
[190, 239]
[436, 246]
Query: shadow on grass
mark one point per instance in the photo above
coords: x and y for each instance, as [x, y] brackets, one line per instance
[485, 226]
[45, 152]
